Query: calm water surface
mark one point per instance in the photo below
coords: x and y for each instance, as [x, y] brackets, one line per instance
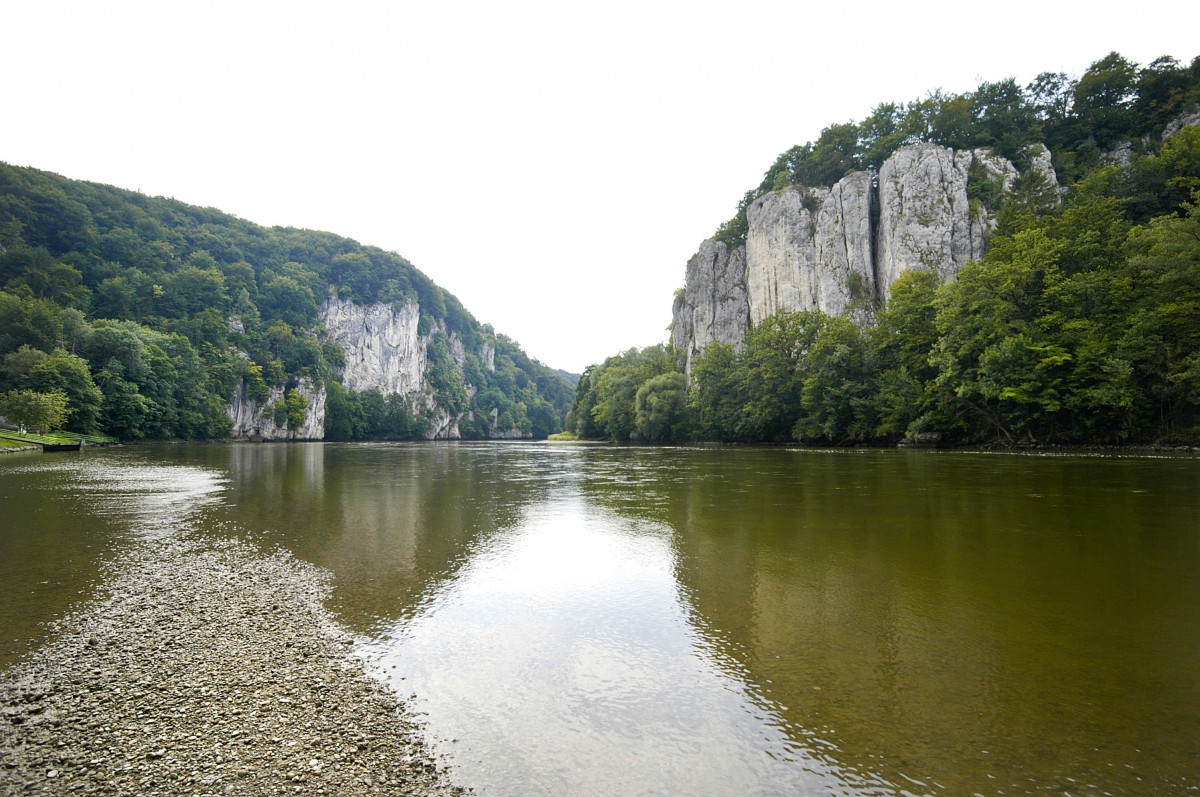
[580, 620]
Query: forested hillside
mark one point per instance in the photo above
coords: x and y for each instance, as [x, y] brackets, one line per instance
[1080, 324]
[150, 315]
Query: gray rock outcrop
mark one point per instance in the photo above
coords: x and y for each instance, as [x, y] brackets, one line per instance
[1189, 119]
[1041, 162]
[383, 347]
[926, 220]
[252, 420]
[810, 249]
[839, 249]
[712, 307]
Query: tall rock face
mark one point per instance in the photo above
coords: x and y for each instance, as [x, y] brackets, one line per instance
[383, 350]
[383, 347]
[252, 420]
[712, 307]
[839, 249]
[810, 249]
[926, 219]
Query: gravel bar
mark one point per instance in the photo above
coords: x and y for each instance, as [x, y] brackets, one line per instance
[206, 668]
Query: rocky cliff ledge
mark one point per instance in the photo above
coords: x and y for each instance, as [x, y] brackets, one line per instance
[253, 420]
[383, 350]
[839, 249]
[712, 305]
[383, 347]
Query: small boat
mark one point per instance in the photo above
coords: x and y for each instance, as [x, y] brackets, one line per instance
[53, 447]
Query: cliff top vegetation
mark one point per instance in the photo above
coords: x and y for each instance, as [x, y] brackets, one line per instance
[1115, 103]
[1080, 325]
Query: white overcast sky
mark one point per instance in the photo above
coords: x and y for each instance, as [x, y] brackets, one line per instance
[552, 163]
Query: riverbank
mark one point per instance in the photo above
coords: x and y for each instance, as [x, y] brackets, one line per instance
[206, 668]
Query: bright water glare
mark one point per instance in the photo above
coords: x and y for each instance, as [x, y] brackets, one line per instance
[637, 621]
[563, 660]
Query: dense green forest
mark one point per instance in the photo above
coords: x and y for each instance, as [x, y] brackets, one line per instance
[1081, 324]
[146, 312]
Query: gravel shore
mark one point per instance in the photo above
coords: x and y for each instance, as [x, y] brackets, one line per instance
[206, 668]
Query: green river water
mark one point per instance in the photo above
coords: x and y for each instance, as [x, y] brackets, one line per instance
[708, 621]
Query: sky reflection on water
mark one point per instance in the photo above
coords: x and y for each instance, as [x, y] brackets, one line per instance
[609, 620]
[562, 660]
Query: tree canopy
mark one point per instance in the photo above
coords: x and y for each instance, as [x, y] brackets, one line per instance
[1114, 102]
[1081, 324]
[146, 312]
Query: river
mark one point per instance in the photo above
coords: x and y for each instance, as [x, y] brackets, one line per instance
[711, 621]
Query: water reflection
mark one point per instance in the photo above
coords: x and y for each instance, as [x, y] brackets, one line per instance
[957, 622]
[65, 517]
[389, 521]
[562, 660]
[600, 620]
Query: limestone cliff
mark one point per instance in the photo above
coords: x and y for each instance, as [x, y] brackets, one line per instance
[810, 249]
[712, 306]
[383, 347]
[839, 249]
[926, 219]
[252, 420]
[384, 350]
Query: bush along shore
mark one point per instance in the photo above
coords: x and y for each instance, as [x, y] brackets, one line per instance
[206, 668]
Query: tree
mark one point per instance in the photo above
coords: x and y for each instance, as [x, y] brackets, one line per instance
[615, 385]
[838, 382]
[1103, 99]
[661, 404]
[69, 374]
[123, 410]
[295, 405]
[1162, 337]
[287, 299]
[771, 374]
[902, 341]
[18, 363]
[29, 409]
[1162, 90]
[715, 398]
[1005, 117]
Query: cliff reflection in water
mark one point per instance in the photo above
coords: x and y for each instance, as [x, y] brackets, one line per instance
[624, 620]
[563, 659]
[957, 623]
[389, 521]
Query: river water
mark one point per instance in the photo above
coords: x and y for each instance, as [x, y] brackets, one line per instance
[710, 621]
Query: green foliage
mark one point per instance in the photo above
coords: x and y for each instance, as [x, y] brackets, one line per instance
[771, 374]
[445, 376]
[606, 400]
[1114, 101]
[660, 408]
[716, 398]
[839, 380]
[70, 375]
[294, 405]
[172, 306]
[38, 412]
[18, 363]
[370, 415]
[123, 410]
